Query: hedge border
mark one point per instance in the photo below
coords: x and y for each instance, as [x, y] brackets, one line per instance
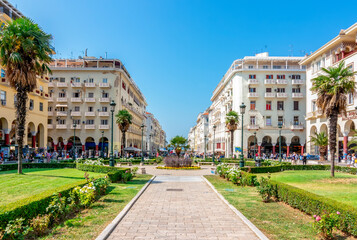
[8, 167]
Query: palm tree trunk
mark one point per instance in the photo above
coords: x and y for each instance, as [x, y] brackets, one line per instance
[20, 121]
[232, 143]
[123, 143]
[332, 139]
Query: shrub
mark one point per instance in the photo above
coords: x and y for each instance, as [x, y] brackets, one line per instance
[234, 175]
[326, 224]
[94, 162]
[8, 167]
[84, 195]
[249, 179]
[177, 162]
[127, 176]
[134, 170]
[262, 169]
[57, 207]
[16, 229]
[99, 169]
[115, 176]
[40, 224]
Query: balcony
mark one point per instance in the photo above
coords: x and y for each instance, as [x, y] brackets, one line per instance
[49, 126]
[76, 99]
[61, 126]
[282, 81]
[253, 127]
[103, 114]
[50, 99]
[61, 114]
[89, 114]
[297, 95]
[61, 84]
[103, 126]
[253, 81]
[78, 126]
[104, 85]
[89, 85]
[62, 99]
[297, 81]
[76, 114]
[253, 95]
[281, 95]
[76, 84]
[269, 95]
[50, 114]
[51, 84]
[297, 127]
[92, 100]
[269, 81]
[104, 100]
[89, 127]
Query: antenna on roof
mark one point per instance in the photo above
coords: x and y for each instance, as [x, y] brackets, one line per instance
[291, 50]
[85, 53]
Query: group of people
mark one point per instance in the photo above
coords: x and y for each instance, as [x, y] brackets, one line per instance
[351, 159]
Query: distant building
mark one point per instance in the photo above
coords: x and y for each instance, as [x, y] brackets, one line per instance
[155, 136]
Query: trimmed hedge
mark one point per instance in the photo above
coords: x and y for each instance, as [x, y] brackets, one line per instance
[30, 207]
[8, 167]
[314, 204]
[249, 179]
[115, 174]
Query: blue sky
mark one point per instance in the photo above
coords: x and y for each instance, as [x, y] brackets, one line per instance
[178, 50]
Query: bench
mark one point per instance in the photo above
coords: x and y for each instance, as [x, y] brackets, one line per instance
[128, 163]
[205, 163]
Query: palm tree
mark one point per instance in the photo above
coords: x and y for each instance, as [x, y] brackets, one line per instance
[178, 143]
[124, 119]
[25, 52]
[232, 121]
[321, 141]
[331, 88]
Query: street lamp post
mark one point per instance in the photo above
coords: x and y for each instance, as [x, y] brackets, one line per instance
[214, 139]
[280, 126]
[102, 144]
[142, 143]
[205, 146]
[255, 142]
[242, 111]
[150, 152]
[111, 161]
[74, 141]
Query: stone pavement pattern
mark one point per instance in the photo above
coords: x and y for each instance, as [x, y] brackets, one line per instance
[194, 212]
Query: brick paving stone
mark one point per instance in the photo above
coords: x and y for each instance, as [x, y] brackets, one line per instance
[196, 212]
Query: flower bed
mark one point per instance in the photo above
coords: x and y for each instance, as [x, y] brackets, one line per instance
[179, 168]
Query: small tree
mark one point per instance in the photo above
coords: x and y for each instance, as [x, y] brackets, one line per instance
[232, 121]
[321, 141]
[179, 143]
[123, 119]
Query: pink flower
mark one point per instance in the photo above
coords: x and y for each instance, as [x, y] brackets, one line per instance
[338, 213]
[318, 218]
[314, 216]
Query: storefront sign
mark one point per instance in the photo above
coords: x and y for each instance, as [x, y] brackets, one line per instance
[349, 116]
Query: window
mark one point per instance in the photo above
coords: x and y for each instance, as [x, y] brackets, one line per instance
[313, 106]
[3, 73]
[41, 106]
[268, 121]
[252, 120]
[76, 95]
[77, 121]
[104, 122]
[265, 66]
[276, 67]
[61, 109]
[280, 120]
[49, 121]
[90, 95]
[41, 88]
[62, 79]
[296, 90]
[77, 80]
[280, 76]
[31, 104]
[252, 90]
[269, 76]
[91, 80]
[15, 99]
[296, 105]
[61, 121]
[250, 66]
[268, 105]
[3, 98]
[280, 90]
[89, 121]
[105, 95]
[218, 145]
[296, 120]
[268, 90]
[350, 98]
[104, 109]
[252, 76]
[61, 94]
[123, 85]
[105, 80]
[295, 77]
[49, 108]
[77, 108]
[252, 105]
[280, 105]
[90, 109]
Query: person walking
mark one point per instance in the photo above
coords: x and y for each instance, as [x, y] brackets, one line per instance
[304, 159]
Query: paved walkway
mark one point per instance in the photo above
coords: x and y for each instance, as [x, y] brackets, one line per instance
[181, 207]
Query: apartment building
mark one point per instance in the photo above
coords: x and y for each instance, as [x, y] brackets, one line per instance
[36, 122]
[155, 136]
[81, 92]
[341, 48]
[191, 139]
[273, 90]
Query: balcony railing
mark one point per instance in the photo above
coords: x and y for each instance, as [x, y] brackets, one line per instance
[76, 99]
[89, 99]
[103, 114]
[297, 81]
[253, 95]
[61, 126]
[297, 127]
[270, 95]
[62, 99]
[76, 114]
[104, 85]
[281, 81]
[104, 100]
[253, 81]
[269, 81]
[89, 127]
[76, 84]
[50, 99]
[297, 95]
[61, 84]
[49, 126]
[50, 114]
[103, 126]
[281, 95]
[61, 114]
[89, 85]
[89, 114]
[51, 84]
[253, 126]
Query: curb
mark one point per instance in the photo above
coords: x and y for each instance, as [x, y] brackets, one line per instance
[259, 234]
[111, 226]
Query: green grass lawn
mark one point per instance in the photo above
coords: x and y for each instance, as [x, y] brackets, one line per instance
[276, 220]
[91, 222]
[342, 188]
[34, 181]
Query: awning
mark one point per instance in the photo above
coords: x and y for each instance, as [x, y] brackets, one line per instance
[132, 149]
[61, 105]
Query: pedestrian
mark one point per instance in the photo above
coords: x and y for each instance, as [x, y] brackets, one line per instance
[304, 159]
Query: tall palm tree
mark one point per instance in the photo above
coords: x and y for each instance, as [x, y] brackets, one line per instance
[25, 51]
[321, 141]
[331, 88]
[124, 119]
[232, 121]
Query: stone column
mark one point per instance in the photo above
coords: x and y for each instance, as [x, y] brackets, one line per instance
[345, 144]
[33, 139]
[83, 148]
[55, 144]
[302, 149]
[7, 136]
[259, 149]
[287, 149]
[274, 148]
